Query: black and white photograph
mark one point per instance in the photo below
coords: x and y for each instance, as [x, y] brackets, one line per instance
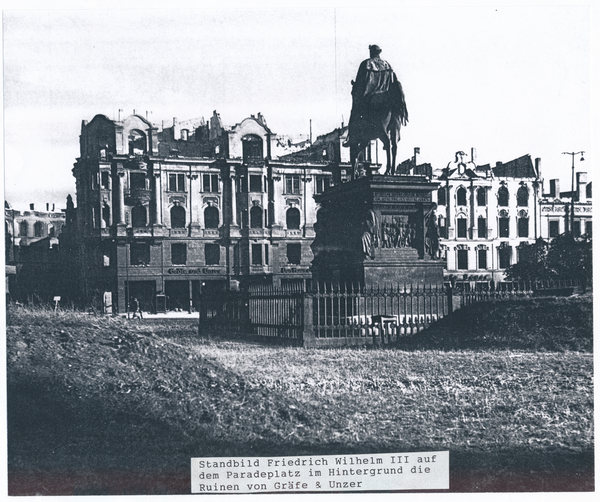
[257, 249]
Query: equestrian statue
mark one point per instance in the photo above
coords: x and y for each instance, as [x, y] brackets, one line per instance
[378, 110]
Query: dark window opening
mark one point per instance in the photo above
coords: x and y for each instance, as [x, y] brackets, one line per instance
[38, 229]
[255, 183]
[138, 216]
[292, 184]
[461, 227]
[179, 254]
[257, 254]
[211, 217]
[322, 183]
[523, 224]
[481, 197]
[23, 228]
[441, 194]
[137, 142]
[252, 148]
[105, 179]
[503, 227]
[588, 228]
[212, 254]
[210, 182]
[504, 257]
[177, 217]
[463, 259]
[503, 197]
[482, 258]
[294, 253]
[266, 254]
[522, 197]
[461, 197]
[482, 228]
[292, 218]
[553, 228]
[177, 182]
[256, 217]
[139, 253]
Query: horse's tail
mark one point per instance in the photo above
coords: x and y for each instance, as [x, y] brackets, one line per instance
[399, 102]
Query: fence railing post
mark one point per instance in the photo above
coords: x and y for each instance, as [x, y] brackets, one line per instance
[308, 330]
[450, 299]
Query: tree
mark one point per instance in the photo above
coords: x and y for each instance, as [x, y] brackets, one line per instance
[532, 264]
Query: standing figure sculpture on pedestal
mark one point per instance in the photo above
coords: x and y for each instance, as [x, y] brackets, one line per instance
[378, 109]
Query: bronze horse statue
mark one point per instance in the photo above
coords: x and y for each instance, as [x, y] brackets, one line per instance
[378, 110]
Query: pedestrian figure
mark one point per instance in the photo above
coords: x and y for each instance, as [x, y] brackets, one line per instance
[135, 308]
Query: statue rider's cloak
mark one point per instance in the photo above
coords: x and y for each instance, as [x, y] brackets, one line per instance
[376, 85]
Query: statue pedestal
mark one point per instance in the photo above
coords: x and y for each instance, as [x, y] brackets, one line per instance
[373, 231]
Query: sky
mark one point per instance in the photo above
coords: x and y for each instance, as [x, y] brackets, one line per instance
[505, 80]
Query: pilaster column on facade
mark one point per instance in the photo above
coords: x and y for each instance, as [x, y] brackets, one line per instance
[233, 194]
[157, 199]
[451, 257]
[472, 257]
[121, 197]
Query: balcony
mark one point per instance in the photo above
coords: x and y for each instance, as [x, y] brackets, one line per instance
[137, 195]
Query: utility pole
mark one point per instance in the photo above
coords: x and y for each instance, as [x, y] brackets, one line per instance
[571, 216]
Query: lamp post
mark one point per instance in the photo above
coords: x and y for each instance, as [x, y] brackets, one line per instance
[572, 154]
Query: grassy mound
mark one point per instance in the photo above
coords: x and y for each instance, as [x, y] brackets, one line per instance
[544, 324]
[109, 406]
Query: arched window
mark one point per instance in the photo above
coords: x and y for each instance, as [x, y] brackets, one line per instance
[503, 196]
[481, 196]
[177, 217]
[211, 217]
[442, 196]
[138, 216]
[38, 228]
[256, 217]
[23, 228]
[522, 197]
[252, 147]
[461, 197]
[292, 218]
[137, 142]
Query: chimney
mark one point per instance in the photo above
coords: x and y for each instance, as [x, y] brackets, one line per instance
[52, 207]
[474, 156]
[554, 189]
[538, 168]
[31, 207]
[581, 184]
[47, 206]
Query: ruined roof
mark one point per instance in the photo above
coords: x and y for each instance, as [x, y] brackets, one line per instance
[518, 168]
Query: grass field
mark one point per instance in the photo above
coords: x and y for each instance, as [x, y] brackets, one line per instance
[106, 406]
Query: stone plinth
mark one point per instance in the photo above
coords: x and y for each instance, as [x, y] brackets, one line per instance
[378, 230]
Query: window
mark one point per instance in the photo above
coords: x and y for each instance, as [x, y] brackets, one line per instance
[137, 181]
[463, 259]
[482, 259]
[139, 253]
[504, 257]
[441, 194]
[588, 228]
[294, 253]
[322, 183]
[38, 229]
[252, 148]
[256, 254]
[177, 182]
[522, 197]
[481, 228]
[461, 227]
[292, 184]
[210, 182]
[185, 134]
[177, 217]
[576, 228]
[503, 227]
[481, 196]
[137, 142]
[23, 229]
[255, 183]
[211, 217]
[212, 254]
[503, 197]
[105, 179]
[256, 217]
[51, 231]
[523, 224]
[138, 216]
[266, 254]
[552, 228]
[292, 218]
[442, 230]
[461, 197]
[179, 254]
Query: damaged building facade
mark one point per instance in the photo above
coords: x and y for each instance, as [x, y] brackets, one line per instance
[172, 214]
